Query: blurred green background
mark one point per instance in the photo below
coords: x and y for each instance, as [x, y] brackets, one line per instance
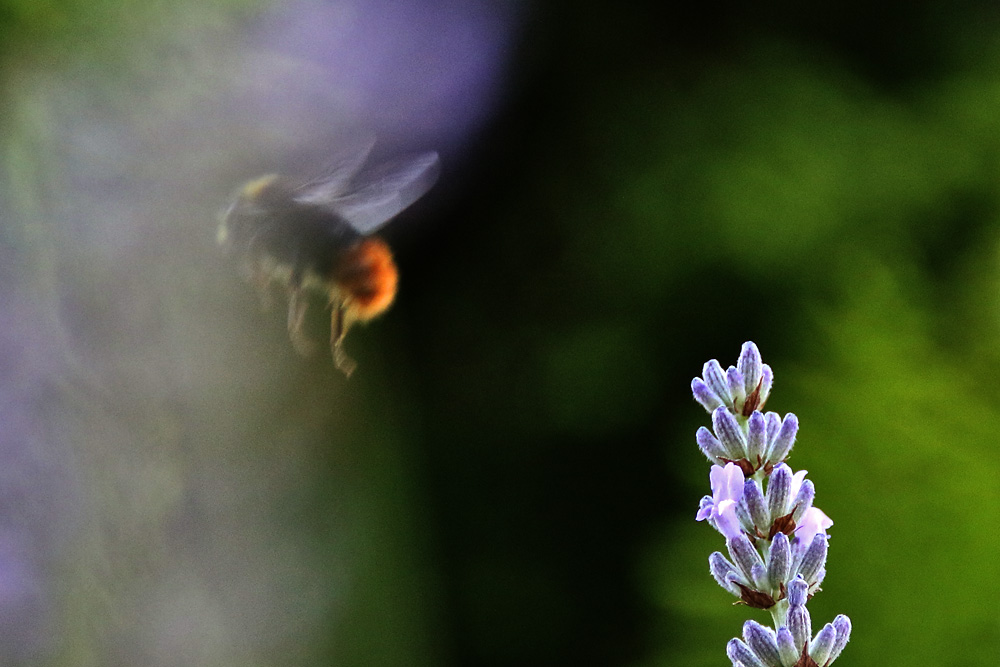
[511, 476]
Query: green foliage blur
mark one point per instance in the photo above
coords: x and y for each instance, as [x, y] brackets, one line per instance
[690, 182]
[512, 477]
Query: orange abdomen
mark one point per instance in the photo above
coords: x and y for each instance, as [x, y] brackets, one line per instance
[367, 277]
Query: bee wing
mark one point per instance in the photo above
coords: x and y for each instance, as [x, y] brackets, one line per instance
[337, 176]
[387, 190]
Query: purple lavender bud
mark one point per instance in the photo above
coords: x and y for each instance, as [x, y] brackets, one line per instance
[800, 626]
[756, 438]
[798, 591]
[779, 487]
[758, 574]
[744, 554]
[710, 446]
[743, 514]
[842, 624]
[762, 641]
[820, 576]
[766, 380]
[739, 652]
[821, 647]
[803, 500]
[779, 559]
[784, 440]
[814, 559]
[736, 383]
[704, 395]
[725, 573]
[715, 378]
[754, 501]
[786, 646]
[729, 433]
[749, 365]
[773, 420]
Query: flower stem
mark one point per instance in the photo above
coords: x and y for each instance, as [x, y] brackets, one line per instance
[779, 613]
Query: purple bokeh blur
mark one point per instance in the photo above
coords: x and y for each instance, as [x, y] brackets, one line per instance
[125, 316]
[419, 74]
[420, 71]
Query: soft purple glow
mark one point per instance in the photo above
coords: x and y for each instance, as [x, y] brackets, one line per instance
[24, 607]
[416, 72]
[38, 507]
[134, 376]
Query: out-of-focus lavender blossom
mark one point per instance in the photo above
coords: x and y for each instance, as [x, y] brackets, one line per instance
[283, 91]
[39, 495]
[416, 71]
[775, 536]
[129, 364]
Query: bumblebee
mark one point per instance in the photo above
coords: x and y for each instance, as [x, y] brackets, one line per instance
[317, 237]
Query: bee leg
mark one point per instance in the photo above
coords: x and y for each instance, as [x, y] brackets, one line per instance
[297, 306]
[261, 280]
[338, 329]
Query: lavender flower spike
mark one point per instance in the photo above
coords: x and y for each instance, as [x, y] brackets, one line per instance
[777, 541]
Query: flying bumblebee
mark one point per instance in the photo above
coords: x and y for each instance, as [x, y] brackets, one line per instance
[317, 236]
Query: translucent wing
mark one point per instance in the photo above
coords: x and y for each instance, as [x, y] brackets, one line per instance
[383, 192]
[337, 177]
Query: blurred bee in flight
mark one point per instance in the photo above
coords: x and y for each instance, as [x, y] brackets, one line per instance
[318, 236]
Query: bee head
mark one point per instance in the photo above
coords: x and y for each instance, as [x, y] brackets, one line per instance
[253, 203]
